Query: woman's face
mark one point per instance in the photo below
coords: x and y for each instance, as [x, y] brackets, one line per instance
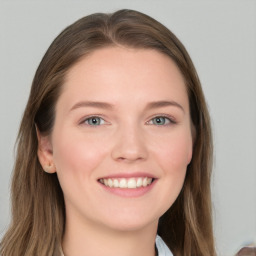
[122, 139]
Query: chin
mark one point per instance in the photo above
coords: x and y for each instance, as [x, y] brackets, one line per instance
[130, 222]
[131, 226]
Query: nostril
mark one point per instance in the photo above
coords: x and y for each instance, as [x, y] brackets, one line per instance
[129, 149]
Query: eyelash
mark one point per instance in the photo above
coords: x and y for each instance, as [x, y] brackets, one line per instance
[166, 117]
[90, 118]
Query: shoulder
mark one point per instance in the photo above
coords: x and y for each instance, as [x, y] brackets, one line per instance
[162, 248]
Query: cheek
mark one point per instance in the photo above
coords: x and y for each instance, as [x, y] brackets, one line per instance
[76, 155]
[175, 153]
[172, 157]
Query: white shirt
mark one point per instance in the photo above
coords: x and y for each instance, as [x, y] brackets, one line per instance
[162, 248]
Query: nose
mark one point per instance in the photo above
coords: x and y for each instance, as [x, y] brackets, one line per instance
[130, 145]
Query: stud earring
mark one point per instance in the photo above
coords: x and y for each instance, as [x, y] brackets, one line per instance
[49, 168]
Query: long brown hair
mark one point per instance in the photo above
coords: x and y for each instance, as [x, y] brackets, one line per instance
[38, 209]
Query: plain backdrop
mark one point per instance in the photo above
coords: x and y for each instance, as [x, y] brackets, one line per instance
[220, 36]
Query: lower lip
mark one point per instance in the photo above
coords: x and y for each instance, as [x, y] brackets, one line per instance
[129, 192]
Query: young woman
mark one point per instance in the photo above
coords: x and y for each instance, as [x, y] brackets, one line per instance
[114, 150]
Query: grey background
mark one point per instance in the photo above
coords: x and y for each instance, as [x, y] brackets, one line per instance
[221, 39]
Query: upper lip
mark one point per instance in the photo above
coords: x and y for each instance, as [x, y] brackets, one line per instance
[129, 175]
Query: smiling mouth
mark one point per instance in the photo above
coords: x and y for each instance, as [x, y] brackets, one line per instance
[127, 183]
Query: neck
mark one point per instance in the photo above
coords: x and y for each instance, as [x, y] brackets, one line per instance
[94, 240]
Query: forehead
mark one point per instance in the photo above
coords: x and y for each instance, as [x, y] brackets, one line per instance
[122, 57]
[116, 73]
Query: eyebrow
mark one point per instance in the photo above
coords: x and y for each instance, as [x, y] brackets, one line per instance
[160, 104]
[94, 104]
[105, 105]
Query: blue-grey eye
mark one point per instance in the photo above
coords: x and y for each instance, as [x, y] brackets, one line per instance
[94, 120]
[160, 120]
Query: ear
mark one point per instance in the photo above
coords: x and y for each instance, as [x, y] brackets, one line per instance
[45, 152]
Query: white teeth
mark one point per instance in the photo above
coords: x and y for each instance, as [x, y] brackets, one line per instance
[145, 182]
[149, 181]
[127, 183]
[110, 183]
[116, 183]
[139, 182]
[131, 183]
[123, 183]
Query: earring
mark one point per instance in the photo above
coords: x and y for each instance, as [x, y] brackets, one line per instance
[49, 168]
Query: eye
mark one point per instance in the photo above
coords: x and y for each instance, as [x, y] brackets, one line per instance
[94, 121]
[161, 120]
